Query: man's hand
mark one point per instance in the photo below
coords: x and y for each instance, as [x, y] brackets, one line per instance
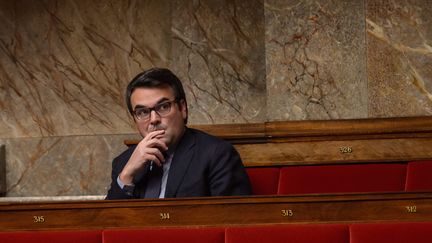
[148, 149]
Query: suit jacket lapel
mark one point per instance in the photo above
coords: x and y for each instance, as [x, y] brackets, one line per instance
[183, 156]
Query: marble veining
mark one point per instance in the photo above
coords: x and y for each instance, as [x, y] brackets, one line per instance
[218, 51]
[399, 38]
[314, 59]
[61, 166]
[64, 65]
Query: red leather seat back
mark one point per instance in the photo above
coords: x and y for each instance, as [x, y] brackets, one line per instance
[318, 233]
[419, 176]
[165, 235]
[51, 236]
[391, 233]
[264, 180]
[342, 178]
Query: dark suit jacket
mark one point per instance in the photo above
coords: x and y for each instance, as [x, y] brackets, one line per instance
[203, 165]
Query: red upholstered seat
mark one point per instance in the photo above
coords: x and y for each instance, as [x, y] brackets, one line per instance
[342, 178]
[165, 235]
[419, 176]
[318, 233]
[51, 236]
[408, 232]
[264, 180]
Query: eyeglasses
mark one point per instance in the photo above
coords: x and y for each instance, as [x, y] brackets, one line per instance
[162, 109]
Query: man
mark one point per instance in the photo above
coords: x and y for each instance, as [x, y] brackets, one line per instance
[172, 160]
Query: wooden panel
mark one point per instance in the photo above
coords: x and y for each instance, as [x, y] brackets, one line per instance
[342, 151]
[217, 211]
[321, 142]
[234, 131]
[349, 127]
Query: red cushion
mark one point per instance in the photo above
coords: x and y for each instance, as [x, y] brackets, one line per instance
[342, 178]
[264, 180]
[419, 176]
[165, 235]
[391, 232]
[321, 233]
[52, 236]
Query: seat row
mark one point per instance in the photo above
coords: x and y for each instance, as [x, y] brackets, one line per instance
[413, 232]
[341, 178]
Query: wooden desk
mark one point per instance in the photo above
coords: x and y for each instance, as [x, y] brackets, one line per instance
[217, 211]
[327, 142]
[264, 144]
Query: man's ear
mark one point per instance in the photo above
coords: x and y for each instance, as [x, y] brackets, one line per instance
[183, 108]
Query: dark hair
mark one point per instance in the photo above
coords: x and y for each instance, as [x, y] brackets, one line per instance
[156, 77]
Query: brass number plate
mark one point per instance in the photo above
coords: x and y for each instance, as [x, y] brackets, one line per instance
[287, 213]
[38, 219]
[411, 209]
[345, 150]
[164, 216]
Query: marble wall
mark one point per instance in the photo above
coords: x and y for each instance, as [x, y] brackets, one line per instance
[399, 55]
[218, 49]
[316, 62]
[64, 66]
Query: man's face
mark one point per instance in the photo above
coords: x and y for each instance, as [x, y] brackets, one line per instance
[172, 122]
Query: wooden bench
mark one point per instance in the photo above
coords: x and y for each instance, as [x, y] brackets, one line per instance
[346, 156]
[217, 211]
[328, 142]
[384, 164]
[86, 220]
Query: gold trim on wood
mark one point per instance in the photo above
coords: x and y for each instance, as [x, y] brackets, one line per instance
[217, 211]
[328, 142]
